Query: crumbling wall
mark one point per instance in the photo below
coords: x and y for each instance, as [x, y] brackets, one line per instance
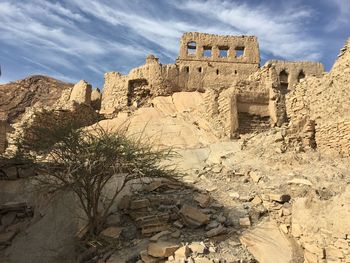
[197, 72]
[325, 102]
[73, 107]
[81, 92]
[115, 91]
[284, 75]
[296, 70]
[207, 60]
[140, 85]
[241, 108]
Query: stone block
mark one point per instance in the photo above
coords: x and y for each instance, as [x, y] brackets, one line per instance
[112, 232]
[296, 230]
[194, 216]
[147, 258]
[333, 253]
[202, 199]
[245, 222]
[182, 253]
[138, 204]
[216, 231]
[161, 249]
[197, 248]
[314, 249]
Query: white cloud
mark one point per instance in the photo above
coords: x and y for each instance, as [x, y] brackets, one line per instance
[280, 32]
[94, 33]
[45, 26]
[343, 17]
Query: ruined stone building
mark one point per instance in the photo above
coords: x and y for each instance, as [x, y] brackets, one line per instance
[237, 95]
[241, 96]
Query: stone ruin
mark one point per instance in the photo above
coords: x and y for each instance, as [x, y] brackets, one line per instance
[308, 105]
[241, 97]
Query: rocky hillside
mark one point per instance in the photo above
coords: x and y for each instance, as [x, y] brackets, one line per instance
[16, 96]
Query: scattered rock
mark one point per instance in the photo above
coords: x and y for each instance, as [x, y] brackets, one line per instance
[255, 176]
[137, 204]
[159, 235]
[281, 198]
[313, 248]
[256, 201]
[216, 231]
[147, 258]
[112, 232]
[176, 234]
[182, 253]
[202, 260]
[296, 230]
[284, 228]
[211, 225]
[334, 253]
[233, 195]
[197, 248]
[245, 222]
[211, 188]
[194, 216]
[161, 249]
[202, 199]
[178, 224]
[300, 181]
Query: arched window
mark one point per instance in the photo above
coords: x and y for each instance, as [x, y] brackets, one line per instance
[191, 48]
[283, 80]
[301, 75]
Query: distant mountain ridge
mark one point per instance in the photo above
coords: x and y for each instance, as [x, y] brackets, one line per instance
[16, 96]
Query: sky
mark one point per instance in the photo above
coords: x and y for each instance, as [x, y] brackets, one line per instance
[82, 39]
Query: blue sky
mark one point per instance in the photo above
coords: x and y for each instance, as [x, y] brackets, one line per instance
[82, 39]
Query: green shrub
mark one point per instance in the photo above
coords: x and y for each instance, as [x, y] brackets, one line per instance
[85, 161]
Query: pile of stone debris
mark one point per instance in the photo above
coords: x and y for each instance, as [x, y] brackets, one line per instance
[179, 224]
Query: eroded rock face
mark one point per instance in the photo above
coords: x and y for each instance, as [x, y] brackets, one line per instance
[73, 106]
[16, 96]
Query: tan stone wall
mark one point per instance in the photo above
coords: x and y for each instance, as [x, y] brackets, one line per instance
[334, 136]
[215, 42]
[202, 71]
[294, 68]
[189, 73]
[115, 91]
[325, 101]
[258, 90]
